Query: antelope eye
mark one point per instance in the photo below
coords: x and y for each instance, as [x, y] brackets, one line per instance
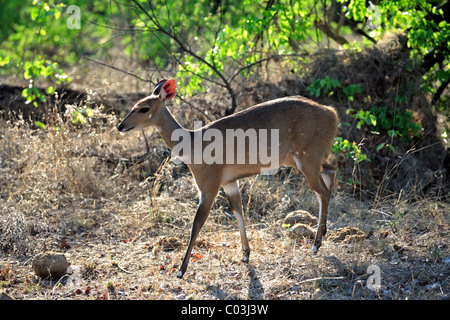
[143, 110]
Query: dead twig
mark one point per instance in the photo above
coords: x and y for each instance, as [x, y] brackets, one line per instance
[118, 69]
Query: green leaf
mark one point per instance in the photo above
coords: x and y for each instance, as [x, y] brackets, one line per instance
[40, 125]
[25, 92]
[50, 90]
[392, 133]
[373, 119]
[78, 118]
[34, 13]
[380, 146]
[57, 14]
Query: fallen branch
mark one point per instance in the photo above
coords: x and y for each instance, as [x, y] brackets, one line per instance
[320, 278]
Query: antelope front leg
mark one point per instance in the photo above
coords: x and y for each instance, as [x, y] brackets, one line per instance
[206, 201]
[234, 197]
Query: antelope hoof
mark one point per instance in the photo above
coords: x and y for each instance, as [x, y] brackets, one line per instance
[180, 274]
[246, 257]
[316, 246]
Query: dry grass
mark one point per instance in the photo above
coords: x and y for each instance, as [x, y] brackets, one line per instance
[73, 190]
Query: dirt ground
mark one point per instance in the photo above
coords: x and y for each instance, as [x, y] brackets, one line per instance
[86, 192]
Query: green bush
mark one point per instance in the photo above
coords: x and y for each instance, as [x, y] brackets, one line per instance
[394, 123]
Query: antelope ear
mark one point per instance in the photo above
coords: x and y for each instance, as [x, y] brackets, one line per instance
[168, 90]
[158, 87]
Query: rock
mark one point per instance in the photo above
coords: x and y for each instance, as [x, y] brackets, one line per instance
[181, 296]
[300, 216]
[347, 235]
[300, 230]
[4, 296]
[50, 264]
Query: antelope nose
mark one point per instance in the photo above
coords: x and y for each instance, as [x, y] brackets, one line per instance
[120, 127]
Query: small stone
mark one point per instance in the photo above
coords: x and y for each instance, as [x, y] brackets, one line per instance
[4, 296]
[50, 264]
[301, 230]
[300, 216]
[347, 235]
[181, 296]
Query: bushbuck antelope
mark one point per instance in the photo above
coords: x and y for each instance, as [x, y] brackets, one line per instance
[305, 132]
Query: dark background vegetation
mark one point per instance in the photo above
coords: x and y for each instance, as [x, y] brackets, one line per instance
[383, 65]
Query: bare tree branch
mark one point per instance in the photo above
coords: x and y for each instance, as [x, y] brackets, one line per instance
[196, 108]
[248, 66]
[185, 48]
[118, 69]
[326, 29]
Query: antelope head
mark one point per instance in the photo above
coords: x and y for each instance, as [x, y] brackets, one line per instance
[145, 111]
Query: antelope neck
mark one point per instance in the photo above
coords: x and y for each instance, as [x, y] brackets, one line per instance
[166, 125]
